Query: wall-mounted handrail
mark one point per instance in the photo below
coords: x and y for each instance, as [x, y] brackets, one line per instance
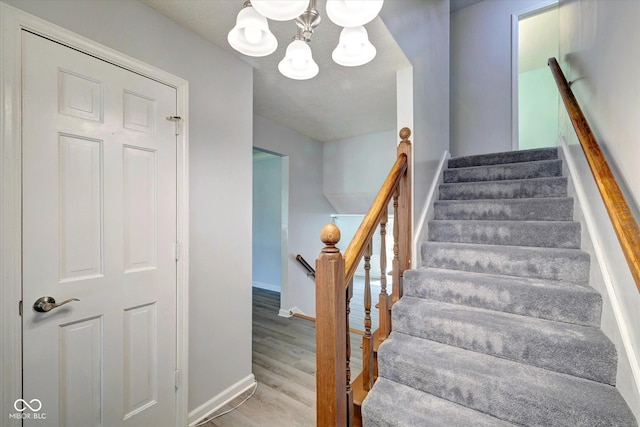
[310, 271]
[337, 396]
[623, 221]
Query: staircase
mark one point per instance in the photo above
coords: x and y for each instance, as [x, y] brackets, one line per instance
[499, 326]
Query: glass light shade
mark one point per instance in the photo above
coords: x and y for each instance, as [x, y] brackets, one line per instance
[280, 10]
[298, 64]
[251, 34]
[354, 47]
[353, 13]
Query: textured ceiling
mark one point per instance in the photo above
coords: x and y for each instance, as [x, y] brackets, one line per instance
[340, 102]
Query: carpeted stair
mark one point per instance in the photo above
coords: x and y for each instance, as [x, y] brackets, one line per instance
[499, 326]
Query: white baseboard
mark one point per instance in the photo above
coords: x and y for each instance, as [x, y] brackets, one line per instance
[290, 312]
[420, 229]
[221, 399]
[267, 286]
[602, 258]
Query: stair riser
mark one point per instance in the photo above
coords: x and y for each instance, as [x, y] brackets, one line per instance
[511, 391]
[558, 234]
[506, 157]
[548, 168]
[570, 349]
[542, 263]
[571, 304]
[560, 209]
[517, 189]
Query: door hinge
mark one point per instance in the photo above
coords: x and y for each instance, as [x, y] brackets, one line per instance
[176, 122]
[177, 251]
[177, 379]
[20, 307]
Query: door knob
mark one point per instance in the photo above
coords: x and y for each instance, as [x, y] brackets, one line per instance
[45, 304]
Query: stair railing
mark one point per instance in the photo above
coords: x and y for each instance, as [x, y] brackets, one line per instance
[624, 223]
[338, 398]
[303, 262]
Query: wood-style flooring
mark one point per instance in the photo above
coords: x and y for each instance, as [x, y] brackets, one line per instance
[284, 366]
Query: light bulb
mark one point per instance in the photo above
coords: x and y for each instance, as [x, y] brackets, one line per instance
[253, 34]
[298, 63]
[280, 10]
[353, 13]
[352, 4]
[354, 48]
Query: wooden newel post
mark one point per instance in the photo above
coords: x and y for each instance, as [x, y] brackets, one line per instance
[404, 209]
[331, 333]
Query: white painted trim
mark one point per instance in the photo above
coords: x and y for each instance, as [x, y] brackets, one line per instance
[427, 209]
[284, 289]
[515, 19]
[515, 118]
[267, 286]
[290, 312]
[10, 212]
[285, 313]
[221, 399]
[12, 22]
[592, 227]
[182, 273]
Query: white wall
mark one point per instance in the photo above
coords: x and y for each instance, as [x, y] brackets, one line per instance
[220, 153]
[481, 76]
[308, 212]
[598, 52]
[421, 29]
[355, 168]
[267, 221]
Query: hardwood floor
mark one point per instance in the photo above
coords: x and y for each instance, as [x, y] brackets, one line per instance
[284, 366]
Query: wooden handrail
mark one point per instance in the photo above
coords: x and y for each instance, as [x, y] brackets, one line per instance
[337, 396]
[354, 252]
[623, 221]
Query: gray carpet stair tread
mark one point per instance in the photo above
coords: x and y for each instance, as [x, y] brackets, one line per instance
[516, 392]
[504, 157]
[577, 350]
[499, 323]
[394, 404]
[545, 299]
[534, 209]
[507, 189]
[544, 168]
[550, 234]
[568, 265]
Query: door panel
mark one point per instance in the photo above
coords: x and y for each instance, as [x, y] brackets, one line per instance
[99, 225]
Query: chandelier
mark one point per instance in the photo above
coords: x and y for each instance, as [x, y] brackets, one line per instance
[251, 35]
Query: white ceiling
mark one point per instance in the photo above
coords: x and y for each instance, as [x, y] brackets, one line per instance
[340, 102]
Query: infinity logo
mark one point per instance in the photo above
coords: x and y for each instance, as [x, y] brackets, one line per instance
[25, 403]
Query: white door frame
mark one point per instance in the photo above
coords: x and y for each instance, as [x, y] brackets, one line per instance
[515, 19]
[12, 22]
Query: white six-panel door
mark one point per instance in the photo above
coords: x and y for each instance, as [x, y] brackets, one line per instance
[99, 225]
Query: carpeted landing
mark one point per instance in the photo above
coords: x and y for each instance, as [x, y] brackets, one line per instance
[499, 326]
